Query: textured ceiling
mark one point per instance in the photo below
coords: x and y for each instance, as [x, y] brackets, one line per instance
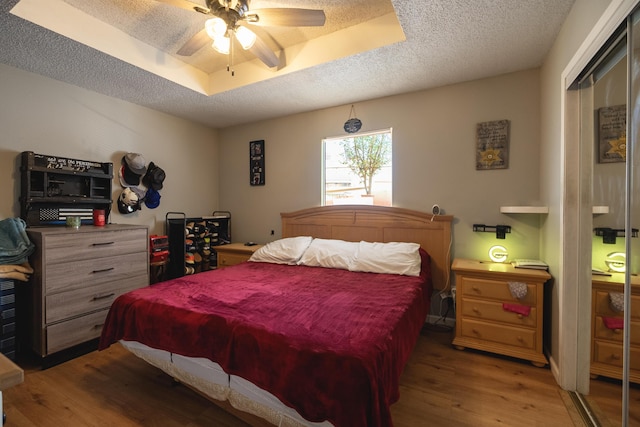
[443, 42]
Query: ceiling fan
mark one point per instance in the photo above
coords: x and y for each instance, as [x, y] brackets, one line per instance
[229, 21]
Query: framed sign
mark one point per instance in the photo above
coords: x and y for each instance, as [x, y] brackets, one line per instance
[612, 134]
[492, 145]
[256, 162]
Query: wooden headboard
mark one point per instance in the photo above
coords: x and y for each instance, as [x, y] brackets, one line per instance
[378, 224]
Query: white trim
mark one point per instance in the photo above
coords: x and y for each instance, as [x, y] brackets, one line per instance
[573, 269]
[612, 17]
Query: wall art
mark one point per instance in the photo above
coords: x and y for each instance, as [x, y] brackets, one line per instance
[492, 145]
[612, 134]
[256, 162]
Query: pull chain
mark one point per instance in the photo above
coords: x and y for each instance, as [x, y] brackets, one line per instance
[231, 49]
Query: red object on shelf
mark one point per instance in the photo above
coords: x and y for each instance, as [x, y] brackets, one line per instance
[158, 243]
[159, 256]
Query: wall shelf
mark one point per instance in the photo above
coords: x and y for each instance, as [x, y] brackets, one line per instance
[524, 209]
[543, 209]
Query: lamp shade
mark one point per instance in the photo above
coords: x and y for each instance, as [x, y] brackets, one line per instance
[246, 37]
[215, 27]
[222, 44]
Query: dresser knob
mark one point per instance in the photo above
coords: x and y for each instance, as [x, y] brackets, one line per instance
[520, 316]
[617, 331]
[475, 289]
[519, 338]
[475, 331]
[615, 356]
[475, 310]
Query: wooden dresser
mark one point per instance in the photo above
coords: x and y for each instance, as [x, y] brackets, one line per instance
[489, 318]
[77, 275]
[606, 341]
[234, 253]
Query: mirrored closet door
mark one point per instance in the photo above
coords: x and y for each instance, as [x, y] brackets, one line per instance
[609, 125]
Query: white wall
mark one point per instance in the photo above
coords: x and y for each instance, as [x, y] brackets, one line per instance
[433, 155]
[49, 117]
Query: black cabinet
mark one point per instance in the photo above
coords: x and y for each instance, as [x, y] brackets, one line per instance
[192, 241]
[8, 318]
[53, 188]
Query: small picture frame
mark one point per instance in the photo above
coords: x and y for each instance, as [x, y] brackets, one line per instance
[492, 145]
[256, 162]
[612, 134]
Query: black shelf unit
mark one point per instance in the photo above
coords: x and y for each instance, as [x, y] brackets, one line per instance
[53, 187]
[195, 237]
[8, 318]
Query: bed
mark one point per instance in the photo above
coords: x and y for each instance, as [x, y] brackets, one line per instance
[314, 330]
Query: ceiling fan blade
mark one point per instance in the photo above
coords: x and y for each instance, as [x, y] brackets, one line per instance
[195, 43]
[264, 53]
[184, 4]
[288, 17]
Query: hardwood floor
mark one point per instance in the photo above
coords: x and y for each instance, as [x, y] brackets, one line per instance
[605, 397]
[441, 386]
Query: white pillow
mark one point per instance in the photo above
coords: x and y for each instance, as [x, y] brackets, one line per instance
[283, 251]
[329, 253]
[392, 258]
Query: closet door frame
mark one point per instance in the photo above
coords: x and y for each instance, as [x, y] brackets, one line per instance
[576, 265]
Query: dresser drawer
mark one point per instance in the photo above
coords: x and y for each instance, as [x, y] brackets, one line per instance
[79, 274]
[603, 306]
[502, 334]
[611, 354]
[75, 331]
[92, 245]
[226, 259]
[602, 332]
[495, 289]
[69, 304]
[493, 311]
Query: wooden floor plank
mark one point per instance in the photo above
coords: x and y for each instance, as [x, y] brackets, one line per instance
[440, 386]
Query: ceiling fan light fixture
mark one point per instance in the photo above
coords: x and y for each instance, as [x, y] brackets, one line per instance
[215, 27]
[222, 44]
[246, 37]
[231, 4]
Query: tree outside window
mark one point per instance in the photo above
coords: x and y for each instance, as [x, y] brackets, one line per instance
[357, 169]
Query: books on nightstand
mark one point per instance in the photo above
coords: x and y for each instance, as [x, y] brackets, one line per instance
[535, 264]
[598, 272]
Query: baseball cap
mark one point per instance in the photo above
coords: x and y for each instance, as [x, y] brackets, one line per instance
[133, 167]
[136, 163]
[152, 198]
[128, 201]
[154, 177]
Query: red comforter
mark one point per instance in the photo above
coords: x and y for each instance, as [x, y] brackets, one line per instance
[329, 343]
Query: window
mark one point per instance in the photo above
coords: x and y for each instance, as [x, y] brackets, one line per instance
[357, 169]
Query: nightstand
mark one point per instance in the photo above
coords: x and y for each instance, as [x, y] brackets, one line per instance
[606, 327]
[234, 253]
[490, 318]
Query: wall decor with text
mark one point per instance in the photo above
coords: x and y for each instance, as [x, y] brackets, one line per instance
[612, 134]
[256, 162]
[492, 145]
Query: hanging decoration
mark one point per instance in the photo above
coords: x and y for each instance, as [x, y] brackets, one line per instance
[354, 124]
